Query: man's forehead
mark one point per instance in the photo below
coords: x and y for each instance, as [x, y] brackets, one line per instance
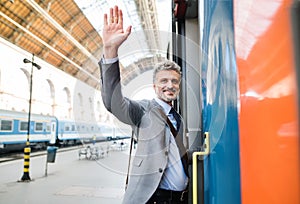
[167, 72]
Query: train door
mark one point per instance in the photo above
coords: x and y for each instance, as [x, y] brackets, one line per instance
[53, 132]
[215, 93]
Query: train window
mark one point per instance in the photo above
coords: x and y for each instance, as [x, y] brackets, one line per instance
[67, 127]
[23, 125]
[48, 127]
[6, 125]
[73, 128]
[38, 126]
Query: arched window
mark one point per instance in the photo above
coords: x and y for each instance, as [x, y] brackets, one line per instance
[80, 100]
[91, 103]
[67, 98]
[80, 103]
[22, 90]
[51, 89]
[44, 90]
[98, 108]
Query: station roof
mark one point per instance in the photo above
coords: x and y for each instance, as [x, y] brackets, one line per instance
[64, 34]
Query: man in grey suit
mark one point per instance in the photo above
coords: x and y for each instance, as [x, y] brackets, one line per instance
[159, 173]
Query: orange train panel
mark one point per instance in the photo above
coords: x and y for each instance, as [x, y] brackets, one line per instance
[269, 133]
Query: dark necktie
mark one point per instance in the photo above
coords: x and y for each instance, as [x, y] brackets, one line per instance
[176, 117]
[182, 149]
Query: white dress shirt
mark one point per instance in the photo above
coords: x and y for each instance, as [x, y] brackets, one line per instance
[174, 177]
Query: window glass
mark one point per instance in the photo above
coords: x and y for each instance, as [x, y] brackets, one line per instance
[67, 127]
[23, 125]
[38, 126]
[48, 127]
[6, 125]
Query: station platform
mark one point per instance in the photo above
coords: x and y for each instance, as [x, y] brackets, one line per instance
[71, 178]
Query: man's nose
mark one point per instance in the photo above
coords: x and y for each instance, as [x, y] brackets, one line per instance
[170, 83]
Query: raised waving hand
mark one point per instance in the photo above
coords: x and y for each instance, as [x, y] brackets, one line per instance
[113, 33]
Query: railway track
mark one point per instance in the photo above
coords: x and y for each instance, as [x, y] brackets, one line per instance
[11, 156]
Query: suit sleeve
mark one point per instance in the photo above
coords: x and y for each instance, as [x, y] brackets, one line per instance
[126, 110]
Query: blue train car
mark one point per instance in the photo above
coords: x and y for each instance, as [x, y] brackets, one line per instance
[14, 130]
[45, 130]
[67, 132]
[71, 132]
[243, 71]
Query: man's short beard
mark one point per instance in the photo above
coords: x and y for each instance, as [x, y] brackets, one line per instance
[167, 99]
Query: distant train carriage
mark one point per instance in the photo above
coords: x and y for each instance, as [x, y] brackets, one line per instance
[105, 131]
[67, 132]
[72, 132]
[45, 130]
[122, 132]
[14, 129]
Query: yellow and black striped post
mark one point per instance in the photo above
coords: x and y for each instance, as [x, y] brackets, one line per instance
[26, 176]
[27, 149]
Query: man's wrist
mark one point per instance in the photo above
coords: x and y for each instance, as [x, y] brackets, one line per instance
[109, 60]
[110, 52]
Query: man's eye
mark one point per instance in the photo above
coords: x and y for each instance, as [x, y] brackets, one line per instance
[175, 81]
[163, 81]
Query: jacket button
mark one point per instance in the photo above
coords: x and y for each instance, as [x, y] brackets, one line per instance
[166, 153]
[160, 170]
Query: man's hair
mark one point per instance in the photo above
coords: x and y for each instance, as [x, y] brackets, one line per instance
[167, 65]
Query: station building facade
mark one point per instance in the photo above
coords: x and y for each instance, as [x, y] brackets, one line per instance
[54, 92]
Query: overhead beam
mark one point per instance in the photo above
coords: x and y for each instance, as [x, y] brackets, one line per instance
[62, 30]
[47, 45]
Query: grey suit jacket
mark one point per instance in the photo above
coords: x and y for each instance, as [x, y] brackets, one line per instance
[152, 151]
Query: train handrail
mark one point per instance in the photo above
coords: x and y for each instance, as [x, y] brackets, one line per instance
[195, 155]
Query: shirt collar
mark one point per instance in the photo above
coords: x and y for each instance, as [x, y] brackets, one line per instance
[166, 107]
